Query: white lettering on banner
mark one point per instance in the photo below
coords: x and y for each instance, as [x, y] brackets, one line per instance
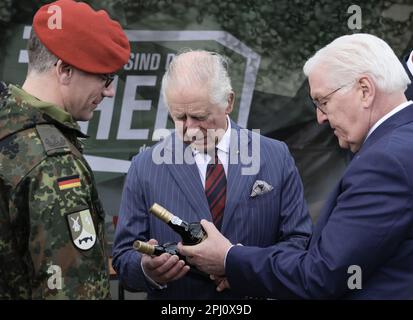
[130, 104]
[143, 61]
[23, 54]
[169, 58]
[160, 130]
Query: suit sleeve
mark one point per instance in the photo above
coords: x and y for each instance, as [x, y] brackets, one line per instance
[132, 225]
[371, 218]
[296, 225]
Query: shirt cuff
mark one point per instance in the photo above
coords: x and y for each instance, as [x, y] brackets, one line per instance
[152, 282]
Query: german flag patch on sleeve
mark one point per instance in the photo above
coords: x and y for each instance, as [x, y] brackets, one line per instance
[68, 182]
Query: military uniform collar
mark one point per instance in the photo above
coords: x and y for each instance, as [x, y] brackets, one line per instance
[53, 111]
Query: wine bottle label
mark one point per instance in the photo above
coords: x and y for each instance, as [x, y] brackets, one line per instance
[176, 220]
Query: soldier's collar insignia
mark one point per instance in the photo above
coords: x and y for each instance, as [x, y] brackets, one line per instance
[68, 182]
[81, 229]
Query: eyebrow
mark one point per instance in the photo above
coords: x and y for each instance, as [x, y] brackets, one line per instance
[317, 96]
[193, 115]
[313, 95]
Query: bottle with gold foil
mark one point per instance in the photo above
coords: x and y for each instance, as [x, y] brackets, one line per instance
[169, 247]
[191, 233]
[157, 250]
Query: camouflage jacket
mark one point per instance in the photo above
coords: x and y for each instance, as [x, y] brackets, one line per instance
[52, 243]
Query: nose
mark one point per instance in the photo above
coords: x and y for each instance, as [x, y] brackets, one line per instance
[321, 117]
[109, 91]
[191, 123]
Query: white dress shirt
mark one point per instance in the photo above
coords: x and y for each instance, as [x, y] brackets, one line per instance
[202, 159]
[388, 115]
[410, 62]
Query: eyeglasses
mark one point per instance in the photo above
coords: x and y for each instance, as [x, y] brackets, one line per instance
[108, 79]
[318, 105]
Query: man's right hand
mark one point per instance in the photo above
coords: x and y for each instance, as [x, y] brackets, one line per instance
[164, 268]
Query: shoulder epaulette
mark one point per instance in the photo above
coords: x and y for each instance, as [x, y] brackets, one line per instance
[54, 142]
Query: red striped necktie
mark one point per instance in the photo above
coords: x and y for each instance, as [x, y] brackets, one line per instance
[216, 189]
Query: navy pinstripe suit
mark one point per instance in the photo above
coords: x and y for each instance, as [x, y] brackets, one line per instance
[280, 215]
[367, 221]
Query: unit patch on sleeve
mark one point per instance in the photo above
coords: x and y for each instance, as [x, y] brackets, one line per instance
[82, 229]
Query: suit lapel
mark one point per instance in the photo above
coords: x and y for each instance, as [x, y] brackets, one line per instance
[237, 183]
[400, 118]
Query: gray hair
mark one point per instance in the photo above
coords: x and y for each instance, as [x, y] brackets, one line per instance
[199, 67]
[40, 58]
[351, 56]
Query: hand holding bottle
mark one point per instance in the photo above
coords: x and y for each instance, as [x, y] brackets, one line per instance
[191, 233]
[164, 268]
[209, 255]
[169, 247]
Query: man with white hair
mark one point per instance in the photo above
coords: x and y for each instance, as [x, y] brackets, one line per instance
[362, 245]
[257, 208]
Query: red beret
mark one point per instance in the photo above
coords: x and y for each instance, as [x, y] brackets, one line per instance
[87, 39]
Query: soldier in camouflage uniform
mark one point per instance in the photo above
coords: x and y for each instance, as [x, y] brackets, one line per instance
[52, 243]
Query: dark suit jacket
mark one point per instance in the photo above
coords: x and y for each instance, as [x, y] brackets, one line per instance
[279, 215]
[409, 91]
[367, 221]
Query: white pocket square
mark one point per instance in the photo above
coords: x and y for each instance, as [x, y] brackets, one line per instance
[260, 187]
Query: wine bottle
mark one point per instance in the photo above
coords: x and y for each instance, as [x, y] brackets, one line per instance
[191, 233]
[157, 250]
[169, 247]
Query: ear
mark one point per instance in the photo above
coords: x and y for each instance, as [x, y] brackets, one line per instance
[230, 105]
[64, 72]
[368, 91]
